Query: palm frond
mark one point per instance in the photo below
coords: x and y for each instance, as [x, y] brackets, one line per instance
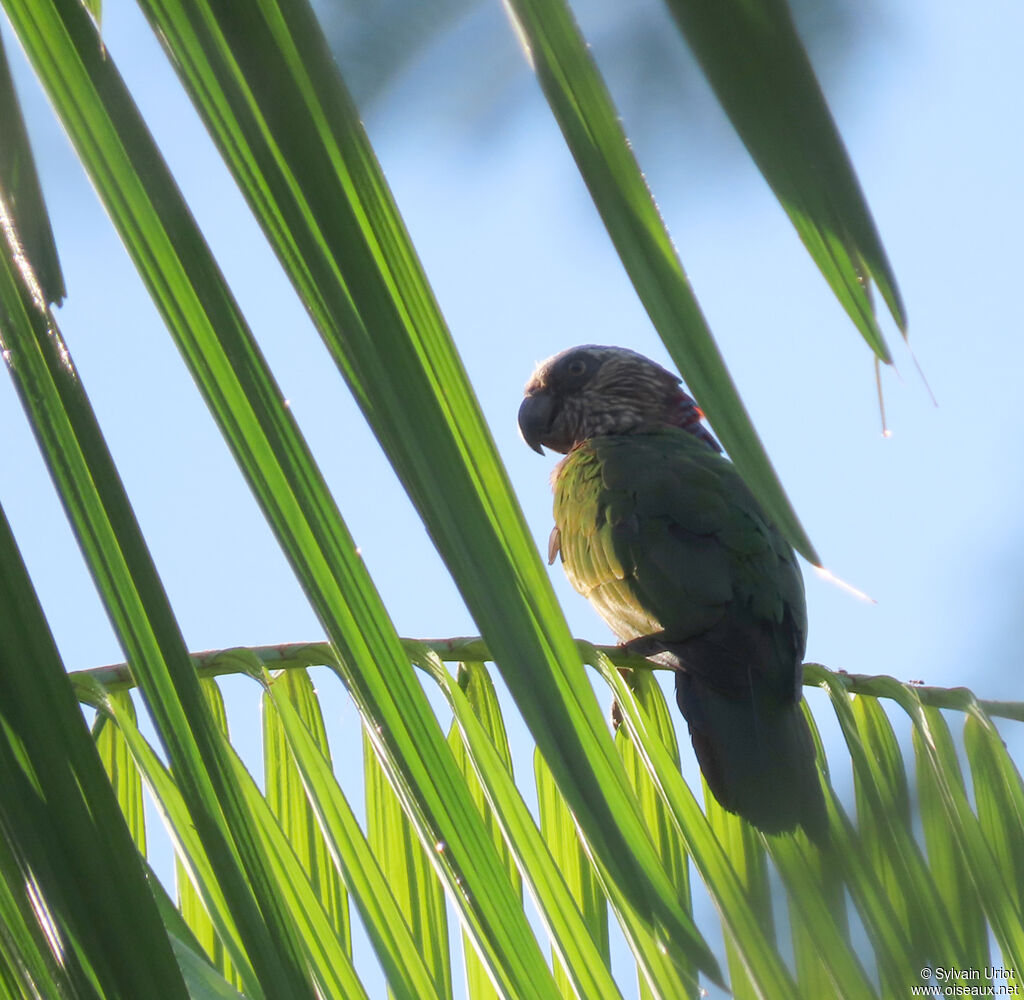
[891, 878]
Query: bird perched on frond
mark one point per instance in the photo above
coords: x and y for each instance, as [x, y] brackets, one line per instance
[657, 529]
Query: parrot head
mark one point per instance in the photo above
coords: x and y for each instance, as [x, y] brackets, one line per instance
[590, 391]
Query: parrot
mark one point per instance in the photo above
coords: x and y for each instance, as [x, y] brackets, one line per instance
[656, 528]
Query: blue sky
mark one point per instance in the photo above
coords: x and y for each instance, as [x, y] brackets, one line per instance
[927, 521]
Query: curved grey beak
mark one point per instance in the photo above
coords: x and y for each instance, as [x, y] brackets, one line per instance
[535, 415]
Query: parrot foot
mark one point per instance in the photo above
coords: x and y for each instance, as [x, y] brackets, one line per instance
[554, 544]
[644, 645]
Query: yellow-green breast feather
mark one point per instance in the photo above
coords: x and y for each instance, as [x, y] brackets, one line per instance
[663, 536]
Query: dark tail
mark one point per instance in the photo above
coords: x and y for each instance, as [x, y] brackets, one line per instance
[757, 756]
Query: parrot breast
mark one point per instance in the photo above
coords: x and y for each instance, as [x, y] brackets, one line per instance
[663, 536]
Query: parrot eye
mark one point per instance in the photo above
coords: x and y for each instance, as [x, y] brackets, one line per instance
[573, 371]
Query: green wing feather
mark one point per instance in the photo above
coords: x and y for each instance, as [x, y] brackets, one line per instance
[666, 540]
